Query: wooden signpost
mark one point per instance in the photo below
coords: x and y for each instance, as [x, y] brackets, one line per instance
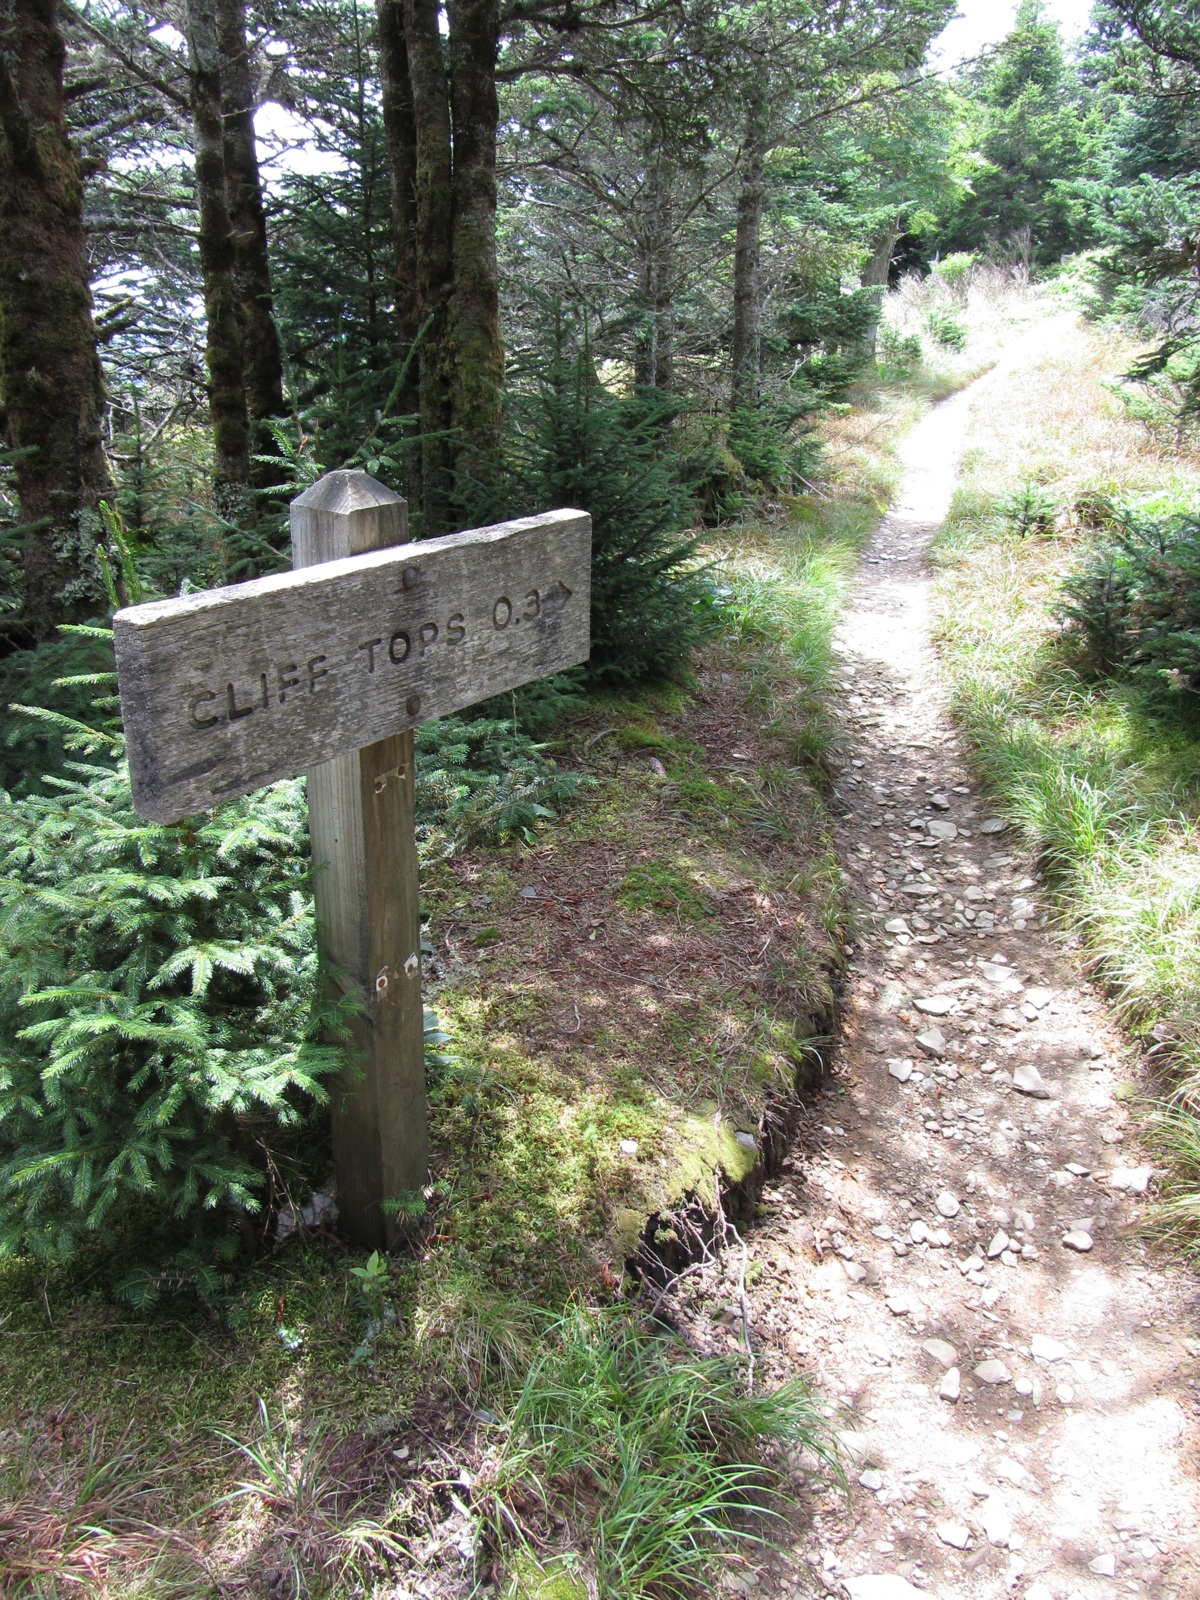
[328, 669]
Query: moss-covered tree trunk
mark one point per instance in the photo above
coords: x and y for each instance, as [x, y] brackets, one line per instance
[475, 346]
[747, 289]
[229, 413]
[262, 356]
[400, 127]
[441, 112]
[51, 388]
[433, 184]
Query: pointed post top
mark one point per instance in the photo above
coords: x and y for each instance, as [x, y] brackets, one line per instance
[347, 490]
[344, 514]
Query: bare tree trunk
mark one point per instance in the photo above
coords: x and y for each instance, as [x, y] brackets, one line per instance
[401, 129]
[434, 188]
[223, 351]
[875, 275]
[262, 358]
[747, 288]
[51, 387]
[654, 353]
[475, 346]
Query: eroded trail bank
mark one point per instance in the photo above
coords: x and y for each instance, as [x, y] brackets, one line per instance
[949, 1249]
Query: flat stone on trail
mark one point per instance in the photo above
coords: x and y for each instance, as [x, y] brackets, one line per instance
[935, 1005]
[942, 830]
[951, 1385]
[1037, 998]
[996, 1520]
[999, 1244]
[932, 1042]
[947, 1204]
[993, 825]
[939, 802]
[854, 1272]
[882, 1586]
[1104, 1566]
[871, 1479]
[1133, 1180]
[1077, 1240]
[956, 1534]
[942, 1351]
[896, 925]
[1026, 1079]
[993, 1372]
[1043, 1348]
[900, 1069]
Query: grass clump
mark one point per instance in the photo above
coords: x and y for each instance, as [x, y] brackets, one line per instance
[662, 1459]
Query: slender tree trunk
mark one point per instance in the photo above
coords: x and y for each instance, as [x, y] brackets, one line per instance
[223, 352]
[433, 186]
[747, 288]
[646, 338]
[51, 388]
[654, 356]
[262, 357]
[401, 129]
[475, 345]
[874, 275]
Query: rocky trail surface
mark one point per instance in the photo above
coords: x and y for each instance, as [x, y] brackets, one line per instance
[949, 1250]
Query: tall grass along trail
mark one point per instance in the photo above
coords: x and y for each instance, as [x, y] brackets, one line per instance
[950, 1248]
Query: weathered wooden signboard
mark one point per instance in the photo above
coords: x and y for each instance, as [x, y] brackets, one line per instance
[328, 669]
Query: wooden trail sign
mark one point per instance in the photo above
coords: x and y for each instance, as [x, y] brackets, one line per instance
[328, 669]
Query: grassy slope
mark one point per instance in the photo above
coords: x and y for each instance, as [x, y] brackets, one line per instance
[662, 985]
[1102, 776]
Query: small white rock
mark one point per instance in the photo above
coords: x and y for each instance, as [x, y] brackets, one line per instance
[747, 1141]
[1104, 1566]
[942, 1352]
[956, 1534]
[854, 1272]
[948, 1204]
[871, 1479]
[932, 1041]
[935, 1005]
[1133, 1180]
[999, 1244]
[896, 925]
[1026, 1079]
[950, 1387]
[900, 1069]
[1064, 1394]
[918, 1231]
[996, 1520]
[1078, 1240]
[628, 1147]
[993, 1372]
[882, 1586]
[1024, 1386]
[1043, 1348]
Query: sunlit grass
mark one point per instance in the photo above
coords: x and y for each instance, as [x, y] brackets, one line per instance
[1101, 776]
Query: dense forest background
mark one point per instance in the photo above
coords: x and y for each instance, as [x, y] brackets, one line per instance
[526, 255]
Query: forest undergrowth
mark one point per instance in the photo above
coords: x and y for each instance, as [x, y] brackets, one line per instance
[630, 993]
[1068, 625]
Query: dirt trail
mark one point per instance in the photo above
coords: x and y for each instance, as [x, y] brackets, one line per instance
[938, 1233]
